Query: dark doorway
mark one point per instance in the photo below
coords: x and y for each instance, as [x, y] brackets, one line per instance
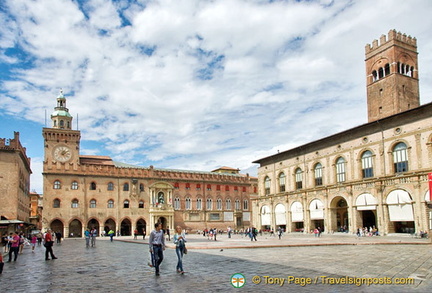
[125, 229]
[369, 219]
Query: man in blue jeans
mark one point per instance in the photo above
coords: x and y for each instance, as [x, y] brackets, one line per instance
[157, 246]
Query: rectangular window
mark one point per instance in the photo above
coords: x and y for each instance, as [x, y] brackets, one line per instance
[214, 217]
[340, 172]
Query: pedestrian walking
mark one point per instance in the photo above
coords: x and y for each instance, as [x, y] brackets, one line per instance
[33, 242]
[93, 234]
[1, 263]
[14, 241]
[180, 242]
[87, 237]
[168, 233]
[135, 234]
[279, 232]
[59, 237]
[157, 246]
[48, 245]
[111, 234]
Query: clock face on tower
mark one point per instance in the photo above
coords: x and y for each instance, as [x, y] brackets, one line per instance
[62, 153]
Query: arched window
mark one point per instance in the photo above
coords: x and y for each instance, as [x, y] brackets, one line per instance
[75, 204]
[141, 204]
[228, 203]
[299, 178]
[198, 186]
[386, 69]
[188, 203]
[208, 187]
[237, 205]
[110, 204]
[267, 185]
[141, 187]
[227, 188]
[219, 204]
[176, 203]
[374, 75]
[318, 174]
[367, 168]
[93, 186]
[110, 186]
[93, 204]
[74, 185]
[176, 185]
[218, 187]
[187, 186]
[400, 158]
[340, 170]
[56, 203]
[57, 184]
[126, 204]
[126, 187]
[199, 204]
[281, 182]
[245, 204]
[209, 204]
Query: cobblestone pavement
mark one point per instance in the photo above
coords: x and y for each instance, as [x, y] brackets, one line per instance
[121, 266]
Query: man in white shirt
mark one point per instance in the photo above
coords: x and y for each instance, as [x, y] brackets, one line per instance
[157, 246]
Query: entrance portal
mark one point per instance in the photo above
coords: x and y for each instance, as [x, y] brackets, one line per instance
[368, 218]
[141, 227]
[125, 228]
[75, 228]
[57, 226]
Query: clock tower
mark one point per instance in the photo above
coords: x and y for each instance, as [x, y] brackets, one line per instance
[61, 142]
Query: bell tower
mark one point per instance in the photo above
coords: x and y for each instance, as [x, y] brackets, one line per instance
[61, 142]
[391, 75]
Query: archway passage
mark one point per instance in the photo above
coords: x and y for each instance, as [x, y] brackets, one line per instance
[75, 228]
[369, 219]
[141, 226]
[57, 226]
[109, 225]
[125, 228]
[163, 221]
[93, 224]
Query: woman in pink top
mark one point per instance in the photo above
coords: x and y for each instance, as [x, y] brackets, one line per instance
[15, 242]
[33, 242]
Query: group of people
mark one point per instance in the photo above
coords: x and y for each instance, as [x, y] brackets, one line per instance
[157, 246]
[210, 233]
[13, 245]
[364, 231]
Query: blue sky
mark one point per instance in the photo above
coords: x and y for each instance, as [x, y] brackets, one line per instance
[194, 84]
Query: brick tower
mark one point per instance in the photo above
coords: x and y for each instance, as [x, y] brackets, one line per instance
[391, 75]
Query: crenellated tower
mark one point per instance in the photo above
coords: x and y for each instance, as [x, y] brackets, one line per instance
[391, 75]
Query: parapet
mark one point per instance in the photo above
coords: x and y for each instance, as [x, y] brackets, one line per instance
[392, 36]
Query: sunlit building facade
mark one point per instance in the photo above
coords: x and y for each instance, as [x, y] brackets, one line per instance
[373, 175]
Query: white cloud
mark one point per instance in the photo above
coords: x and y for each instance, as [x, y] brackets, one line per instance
[199, 84]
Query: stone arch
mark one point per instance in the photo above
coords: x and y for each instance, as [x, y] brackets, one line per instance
[57, 225]
[265, 214]
[401, 214]
[75, 228]
[297, 216]
[280, 215]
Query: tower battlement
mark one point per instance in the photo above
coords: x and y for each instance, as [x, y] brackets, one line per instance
[393, 36]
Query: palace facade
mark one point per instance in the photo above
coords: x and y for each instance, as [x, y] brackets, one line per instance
[14, 186]
[94, 191]
[375, 174]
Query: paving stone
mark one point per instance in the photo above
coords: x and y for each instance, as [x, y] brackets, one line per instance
[121, 266]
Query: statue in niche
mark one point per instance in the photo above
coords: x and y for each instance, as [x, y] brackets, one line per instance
[161, 199]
